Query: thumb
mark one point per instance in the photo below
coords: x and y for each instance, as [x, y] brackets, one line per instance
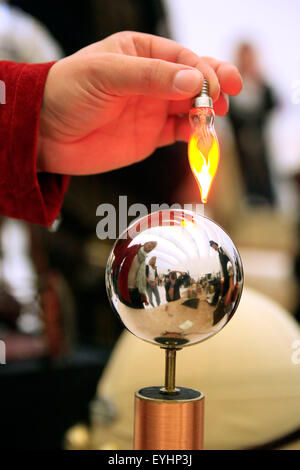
[123, 75]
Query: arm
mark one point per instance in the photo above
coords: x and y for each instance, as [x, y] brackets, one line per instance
[227, 298]
[106, 106]
[119, 99]
[25, 194]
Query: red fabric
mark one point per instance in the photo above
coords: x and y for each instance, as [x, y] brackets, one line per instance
[124, 271]
[24, 193]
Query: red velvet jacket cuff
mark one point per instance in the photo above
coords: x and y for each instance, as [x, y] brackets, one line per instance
[24, 193]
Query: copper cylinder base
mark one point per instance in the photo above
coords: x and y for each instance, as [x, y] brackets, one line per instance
[168, 421]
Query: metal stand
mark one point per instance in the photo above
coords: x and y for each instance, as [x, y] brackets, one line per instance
[169, 418]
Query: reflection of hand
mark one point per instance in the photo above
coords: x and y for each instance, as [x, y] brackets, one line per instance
[112, 103]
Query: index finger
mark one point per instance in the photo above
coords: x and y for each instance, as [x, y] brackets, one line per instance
[155, 47]
[220, 75]
[166, 49]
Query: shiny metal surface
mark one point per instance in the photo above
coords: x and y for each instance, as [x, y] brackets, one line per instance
[203, 102]
[203, 99]
[174, 278]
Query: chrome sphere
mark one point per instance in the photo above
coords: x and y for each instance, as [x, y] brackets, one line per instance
[174, 278]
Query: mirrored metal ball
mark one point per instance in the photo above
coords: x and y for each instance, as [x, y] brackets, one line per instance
[174, 278]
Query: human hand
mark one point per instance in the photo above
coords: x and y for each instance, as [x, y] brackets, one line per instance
[114, 102]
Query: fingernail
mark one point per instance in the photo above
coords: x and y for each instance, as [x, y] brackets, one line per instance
[188, 81]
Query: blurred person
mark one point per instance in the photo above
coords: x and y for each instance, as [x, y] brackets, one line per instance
[93, 20]
[173, 285]
[130, 277]
[24, 39]
[137, 281]
[152, 281]
[248, 116]
[227, 271]
[227, 283]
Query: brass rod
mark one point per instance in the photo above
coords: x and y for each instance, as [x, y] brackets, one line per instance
[170, 371]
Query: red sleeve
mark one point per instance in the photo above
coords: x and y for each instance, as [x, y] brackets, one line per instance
[24, 193]
[124, 271]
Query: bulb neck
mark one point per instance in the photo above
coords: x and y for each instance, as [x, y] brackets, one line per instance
[203, 100]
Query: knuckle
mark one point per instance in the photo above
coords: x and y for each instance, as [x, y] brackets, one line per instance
[122, 35]
[152, 73]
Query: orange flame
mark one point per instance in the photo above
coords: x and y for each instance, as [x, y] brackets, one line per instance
[204, 159]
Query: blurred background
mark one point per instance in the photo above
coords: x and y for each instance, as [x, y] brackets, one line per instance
[55, 318]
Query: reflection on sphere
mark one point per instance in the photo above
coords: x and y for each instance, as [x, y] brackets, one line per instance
[174, 278]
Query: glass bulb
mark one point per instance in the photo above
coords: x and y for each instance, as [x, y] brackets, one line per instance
[203, 148]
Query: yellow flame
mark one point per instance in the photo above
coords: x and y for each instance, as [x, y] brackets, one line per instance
[204, 160]
[188, 223]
